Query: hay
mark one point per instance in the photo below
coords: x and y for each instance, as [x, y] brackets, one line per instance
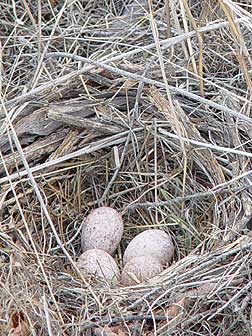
[103, 103]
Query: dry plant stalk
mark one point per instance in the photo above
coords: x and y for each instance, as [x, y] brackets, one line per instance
[239, 41]
[206, 157]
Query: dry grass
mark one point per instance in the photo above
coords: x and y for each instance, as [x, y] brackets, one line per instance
[144, 107]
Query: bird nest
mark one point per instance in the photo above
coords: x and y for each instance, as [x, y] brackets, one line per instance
[144, 107]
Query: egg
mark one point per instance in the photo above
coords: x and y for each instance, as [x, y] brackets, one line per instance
[100, 264]
[102, 229]
[155, 243]
[139, 269]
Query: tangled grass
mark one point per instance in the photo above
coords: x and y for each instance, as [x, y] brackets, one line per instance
[145, 107]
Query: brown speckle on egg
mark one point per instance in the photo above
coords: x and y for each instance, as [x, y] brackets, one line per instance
[103, 229]
[140, 269]
[100, 264]
[155, 243]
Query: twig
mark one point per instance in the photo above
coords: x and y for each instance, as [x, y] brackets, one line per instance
[117, 320]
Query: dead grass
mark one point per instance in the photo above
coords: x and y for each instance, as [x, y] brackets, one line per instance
[103, 103]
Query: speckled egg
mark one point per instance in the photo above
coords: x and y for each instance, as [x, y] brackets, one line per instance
[102, 229]
[100, 264]
[140, 269]
[155, 243]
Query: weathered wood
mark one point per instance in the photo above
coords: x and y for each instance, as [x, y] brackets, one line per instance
[35, 123]
[36, 150]
[104, 127]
